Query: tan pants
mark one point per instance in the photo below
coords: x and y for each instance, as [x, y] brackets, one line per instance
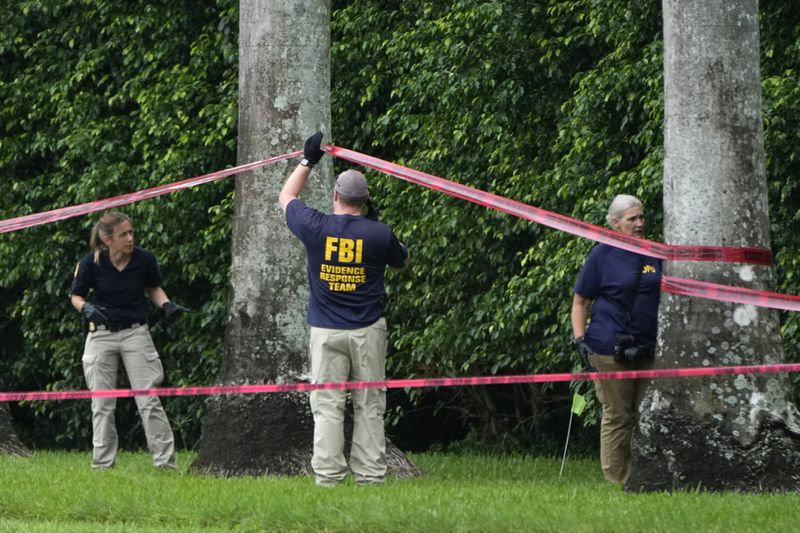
[101, 356]
[620, 399]
[349, 355]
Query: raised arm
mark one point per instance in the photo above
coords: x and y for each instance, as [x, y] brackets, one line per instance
[312, 153]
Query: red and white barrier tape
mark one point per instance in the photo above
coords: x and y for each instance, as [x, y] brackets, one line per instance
[726, 293]
[582, 229]
[499, 203]
[754, 256]
[399, 383]
[17, 223]
[554, 220]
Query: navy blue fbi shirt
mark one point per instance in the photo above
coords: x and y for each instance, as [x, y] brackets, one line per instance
[347, 256]
[610, 277]
[120, 293]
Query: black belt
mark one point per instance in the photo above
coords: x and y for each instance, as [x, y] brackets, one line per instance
[113, 328]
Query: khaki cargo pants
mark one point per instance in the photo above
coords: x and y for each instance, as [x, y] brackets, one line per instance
[349, 355]
[620, 399]
[101, 357]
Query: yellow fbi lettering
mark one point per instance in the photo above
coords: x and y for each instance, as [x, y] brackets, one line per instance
[341, 278]
[347, 250]
[339, 274]
[649, 269]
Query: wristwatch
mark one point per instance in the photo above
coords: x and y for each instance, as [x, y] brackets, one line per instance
[304, 162]
[577, 340]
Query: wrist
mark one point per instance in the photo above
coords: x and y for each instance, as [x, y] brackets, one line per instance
[577, 340]
[306, 163]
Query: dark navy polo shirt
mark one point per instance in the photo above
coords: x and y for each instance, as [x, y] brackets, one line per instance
[609, 277]
[121, 294]
[347, 255]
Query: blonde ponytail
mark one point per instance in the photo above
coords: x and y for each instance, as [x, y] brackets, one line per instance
[104, 229]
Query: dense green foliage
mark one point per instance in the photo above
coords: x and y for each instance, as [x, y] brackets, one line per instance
[546, 105]
[557, 104]
[780, 72]
[100, 98]
[56, 492]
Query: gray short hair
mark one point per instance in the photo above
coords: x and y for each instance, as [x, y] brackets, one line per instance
[620, 204]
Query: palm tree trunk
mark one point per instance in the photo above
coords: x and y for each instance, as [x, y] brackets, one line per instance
[719, 432]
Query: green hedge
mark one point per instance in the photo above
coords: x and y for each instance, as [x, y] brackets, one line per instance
[557, 104]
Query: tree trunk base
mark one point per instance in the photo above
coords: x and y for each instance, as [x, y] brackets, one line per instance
[697, 455]
[9, 442]
[398, 463]
[255, 435]
[270, 435]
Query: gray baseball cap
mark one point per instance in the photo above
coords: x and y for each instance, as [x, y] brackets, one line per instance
[352, 184]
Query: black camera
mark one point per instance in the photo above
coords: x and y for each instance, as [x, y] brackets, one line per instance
[626, 350]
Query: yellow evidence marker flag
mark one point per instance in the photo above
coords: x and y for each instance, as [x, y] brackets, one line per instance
[578, 403]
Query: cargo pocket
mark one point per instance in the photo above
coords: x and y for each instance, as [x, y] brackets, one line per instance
[89, 370]
[156, 369]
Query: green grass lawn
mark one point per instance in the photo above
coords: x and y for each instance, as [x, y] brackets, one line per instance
[59, 492]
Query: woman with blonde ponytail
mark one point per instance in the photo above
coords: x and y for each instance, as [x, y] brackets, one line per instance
[122, 278]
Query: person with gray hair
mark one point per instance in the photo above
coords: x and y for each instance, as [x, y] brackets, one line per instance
[347, 255]
[620, 204]
[623, 290]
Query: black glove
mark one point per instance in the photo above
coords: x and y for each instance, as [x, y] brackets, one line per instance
[94, 313]
[312, 151]
[173, 310]
[583, 352]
